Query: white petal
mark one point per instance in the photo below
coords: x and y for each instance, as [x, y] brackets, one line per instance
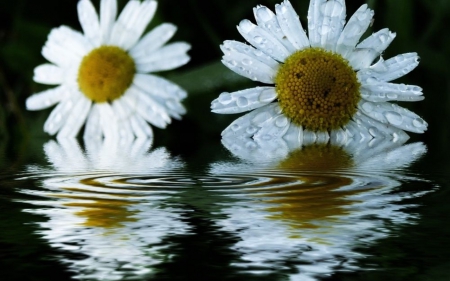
[250, 150]
[153, 40]
[131, 23]
[47, 98]
[59, 115]
[294, 137]
[262, 40]
[273, 129]
[377, 129]
[89, 21]
[75, 120]
[149, 109]
[163, 64]
[339, 137]
[391, 69]
[93, 129]
[165, 53]
[394, 115]
[255, 54]
[108, 13]
[123, 113]
[362, 58]
[355, 28]
[248, 66]
[244, 100]
[378, 41]
[249, 124]
[49, 74]
[309, 137]
[158, 86]
[267, 20]
[65, 46]
[382, 91]
[108, 121]
[140, 128]
[291, 26]
[325, 22]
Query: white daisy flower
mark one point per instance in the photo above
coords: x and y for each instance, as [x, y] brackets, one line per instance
[325, 83]
[102, 75]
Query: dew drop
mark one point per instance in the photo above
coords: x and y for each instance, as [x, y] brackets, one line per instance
[57, 118]
[247, 62]
[258, 53]
[264, 14]
[242, 102]
[323, 30]
[235, 127]
[361, 16]
[258, 39]
[232, 62]
[281, 122]
[394, 118]
[266, 137]
[367, 107]
[251, 130]
[225, 98]
[374, 131]
[267, 95]
[392, 96]
[251, 145]
[246, 26]
[419, 122]
[383, 38]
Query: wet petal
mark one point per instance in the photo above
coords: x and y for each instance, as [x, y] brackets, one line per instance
[89, 21]
[76, 118]
[262, 40]
[153, 40]
[291, 26]
[248, 125]
[382, 91]
[47, 98]
[391, 69]
[49, 74]
[108, 13]
[244, 100]
[267, 20]
[378, 41]
[355, 28]
[394, 115]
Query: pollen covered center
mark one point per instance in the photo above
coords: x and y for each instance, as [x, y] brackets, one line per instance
[317, 89]
[106, 73]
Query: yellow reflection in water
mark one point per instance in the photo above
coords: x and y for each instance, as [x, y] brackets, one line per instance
[314, 201]
[109, 213]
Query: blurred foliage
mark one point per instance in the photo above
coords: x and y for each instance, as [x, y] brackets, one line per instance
[25, 24]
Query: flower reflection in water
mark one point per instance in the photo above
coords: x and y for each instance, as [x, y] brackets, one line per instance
[309, 210]
[109, 207]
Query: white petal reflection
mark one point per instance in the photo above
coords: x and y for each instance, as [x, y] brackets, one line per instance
[108, 206]
[309, 211]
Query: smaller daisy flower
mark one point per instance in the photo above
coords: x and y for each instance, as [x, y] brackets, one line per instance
[102, 75]
[324, 85]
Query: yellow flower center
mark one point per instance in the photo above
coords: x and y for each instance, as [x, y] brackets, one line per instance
[106, 73]
[318, 157]
[317, 89]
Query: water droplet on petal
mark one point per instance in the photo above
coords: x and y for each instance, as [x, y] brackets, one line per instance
[225, 98]
[235, 127]
[251, 145]
[374, 131]
[251, 130]
[392, 96]
[267, 95]
[419, 122]
[246, 26]
[258, 53]
[246, 62]
[394, 118]
[264, 14]
[242, 102]
[281, 122]
[258, 39]
[367, 107]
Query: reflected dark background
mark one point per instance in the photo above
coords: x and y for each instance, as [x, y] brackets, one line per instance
[416, 252]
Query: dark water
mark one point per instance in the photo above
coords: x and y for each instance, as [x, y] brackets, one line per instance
[130, 211]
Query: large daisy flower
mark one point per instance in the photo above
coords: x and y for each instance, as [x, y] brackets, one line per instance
[325, 83]
[102, 74]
